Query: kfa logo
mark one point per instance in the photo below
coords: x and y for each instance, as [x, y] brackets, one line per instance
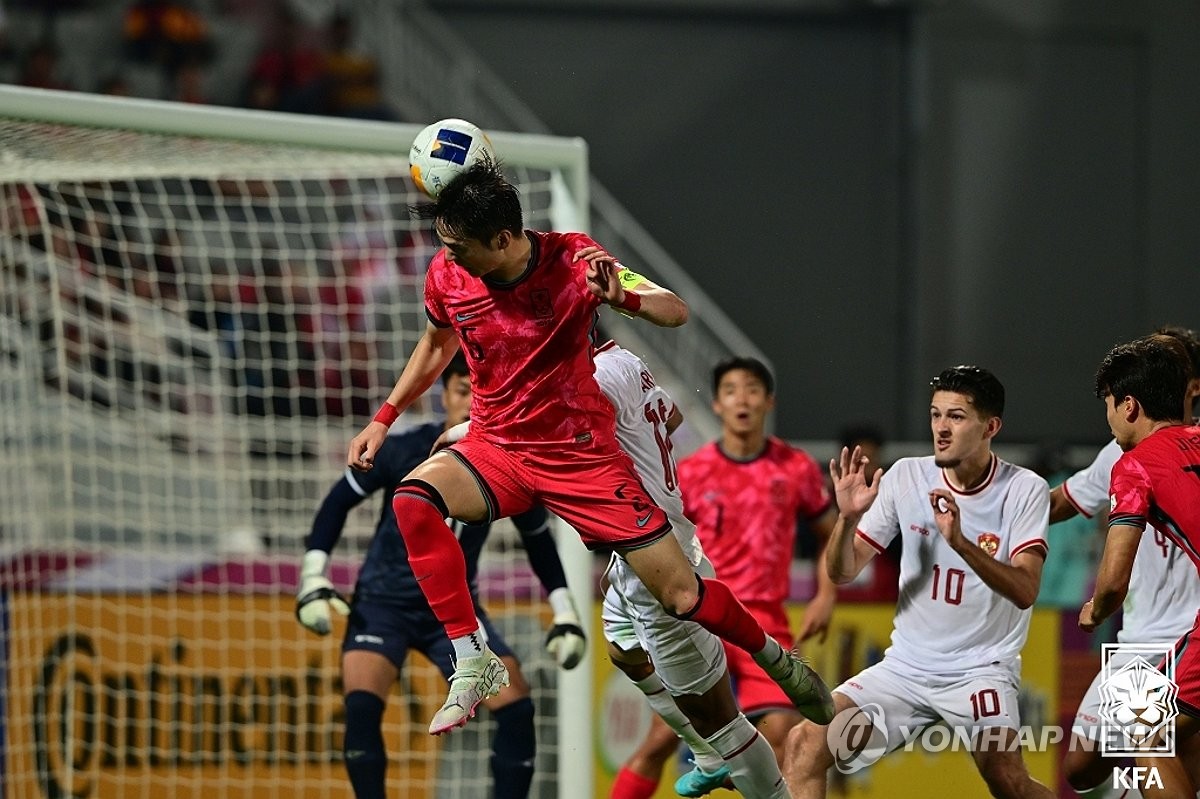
[1138, 708]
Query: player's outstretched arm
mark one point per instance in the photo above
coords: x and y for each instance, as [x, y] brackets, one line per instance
[1112, 580]
[316, 598]
[846, 554]
[630, 292]
[434, 350]
[1061, 508]
[818, 612]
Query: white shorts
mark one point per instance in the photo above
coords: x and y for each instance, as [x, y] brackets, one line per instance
[1088, 722]
[688, 658]
[911, 699]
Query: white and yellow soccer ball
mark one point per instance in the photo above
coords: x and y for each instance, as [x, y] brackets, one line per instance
[443, 151]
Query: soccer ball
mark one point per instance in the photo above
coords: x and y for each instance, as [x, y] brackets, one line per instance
[443, 151]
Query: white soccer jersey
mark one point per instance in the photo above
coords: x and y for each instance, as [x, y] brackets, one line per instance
[1164, 594]
[643, 409]
[947, 618]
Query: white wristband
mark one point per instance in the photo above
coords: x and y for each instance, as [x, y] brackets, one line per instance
[560, 602]
[314, 564]
[457, 432]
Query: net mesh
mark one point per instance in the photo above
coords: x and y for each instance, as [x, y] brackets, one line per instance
[191, 330]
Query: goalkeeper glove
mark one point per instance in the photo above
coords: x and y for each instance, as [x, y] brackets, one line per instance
[566, 641]
[317, 595]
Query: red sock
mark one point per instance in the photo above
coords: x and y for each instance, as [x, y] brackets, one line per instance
[629, 785]
[719, 611]
[435, 557]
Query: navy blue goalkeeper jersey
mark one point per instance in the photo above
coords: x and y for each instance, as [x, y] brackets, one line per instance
[386, 575]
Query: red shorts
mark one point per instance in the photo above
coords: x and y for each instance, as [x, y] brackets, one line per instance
[598, 493]
[756, 692]
[1187, 671]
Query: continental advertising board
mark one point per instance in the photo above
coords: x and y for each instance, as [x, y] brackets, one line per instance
[187, 696]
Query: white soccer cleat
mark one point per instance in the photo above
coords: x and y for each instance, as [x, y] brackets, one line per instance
[474, 680]
[803, 686]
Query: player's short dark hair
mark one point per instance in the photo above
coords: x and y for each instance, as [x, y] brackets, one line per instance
[1190, 341]
[1154, 370]
[477, 204]
[456, 367]
[984, 388]
[752, 365]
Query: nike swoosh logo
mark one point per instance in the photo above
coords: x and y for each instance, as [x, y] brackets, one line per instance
[462, 317]
[642, 522]
[354, 754]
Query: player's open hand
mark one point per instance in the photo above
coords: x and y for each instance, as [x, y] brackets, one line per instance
[854, 488]
[361, 454]
[316, 598]
[946, 514]
[602, 278]
[566, 642]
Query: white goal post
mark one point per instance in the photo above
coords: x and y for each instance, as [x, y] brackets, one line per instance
[198, 308]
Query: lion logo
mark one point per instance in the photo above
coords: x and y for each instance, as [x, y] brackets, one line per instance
[989, 543]
[1138, 700]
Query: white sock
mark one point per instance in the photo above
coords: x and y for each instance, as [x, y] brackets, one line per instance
[469, 646]
[769, 653]
[662, 703]
[751, 760]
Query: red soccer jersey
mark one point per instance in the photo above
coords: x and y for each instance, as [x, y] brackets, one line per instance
[746, 512]
[1158, 481]
[526, 345]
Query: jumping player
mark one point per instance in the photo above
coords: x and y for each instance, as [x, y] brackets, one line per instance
[521, 303]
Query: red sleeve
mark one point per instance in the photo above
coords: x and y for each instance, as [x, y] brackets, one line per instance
[435, 308]
[1129, 493]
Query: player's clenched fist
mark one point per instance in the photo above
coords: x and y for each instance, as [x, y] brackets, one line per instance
[316, 596]
[566, 641]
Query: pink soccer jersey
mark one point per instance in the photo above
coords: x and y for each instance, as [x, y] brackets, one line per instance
[1158, 483]
[746, 512]
[526, 345]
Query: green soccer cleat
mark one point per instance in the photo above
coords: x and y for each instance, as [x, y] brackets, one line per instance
[803, 686]
[474, 680]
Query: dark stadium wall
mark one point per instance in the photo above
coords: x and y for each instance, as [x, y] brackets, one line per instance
[876, 194]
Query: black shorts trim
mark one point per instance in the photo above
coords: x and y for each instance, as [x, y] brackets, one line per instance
[489, 496]
[635, 543]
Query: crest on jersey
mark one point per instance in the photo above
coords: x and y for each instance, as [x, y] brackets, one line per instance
[989, 543]
[543, 308]
[779, 491]
[1137, 701]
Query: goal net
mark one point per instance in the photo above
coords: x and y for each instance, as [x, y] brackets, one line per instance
[198, 309]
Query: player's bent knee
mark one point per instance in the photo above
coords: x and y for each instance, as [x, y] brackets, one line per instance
[1005, 778]
[806, 750]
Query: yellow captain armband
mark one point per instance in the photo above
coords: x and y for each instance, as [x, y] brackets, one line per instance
[629, 278]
